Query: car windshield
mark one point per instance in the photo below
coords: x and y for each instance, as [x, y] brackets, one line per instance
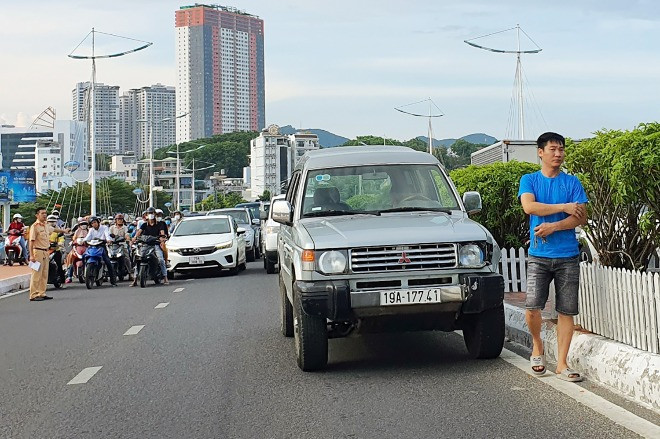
[254, 210]
[204, 226]
[241, 216]
[376, 189]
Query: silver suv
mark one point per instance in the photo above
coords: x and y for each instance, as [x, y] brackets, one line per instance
[376, 239]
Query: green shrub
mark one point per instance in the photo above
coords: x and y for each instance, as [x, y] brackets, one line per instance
[498, 185]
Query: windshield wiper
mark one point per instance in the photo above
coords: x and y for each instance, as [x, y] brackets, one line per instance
[418, 209]
[340, 212]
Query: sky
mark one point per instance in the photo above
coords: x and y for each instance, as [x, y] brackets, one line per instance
[344, 66]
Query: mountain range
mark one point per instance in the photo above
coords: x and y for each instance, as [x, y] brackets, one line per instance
[330, 140]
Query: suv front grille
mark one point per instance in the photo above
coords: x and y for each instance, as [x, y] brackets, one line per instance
[403, 257]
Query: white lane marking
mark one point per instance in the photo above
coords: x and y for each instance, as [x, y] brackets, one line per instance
[190, 280]
[4, 296]
[178, 290]
[161, 305]
[134, 330]
[85, 375]
[596, 403]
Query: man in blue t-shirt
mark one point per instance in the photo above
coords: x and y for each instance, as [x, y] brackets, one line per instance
[555, 203]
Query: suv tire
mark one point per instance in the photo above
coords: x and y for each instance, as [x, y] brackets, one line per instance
[484, 333]
[268, 264]
[249, 256]
[310, 338]
[286, 312]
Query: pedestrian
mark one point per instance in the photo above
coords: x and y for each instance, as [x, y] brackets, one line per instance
[555, 203]
[39, 242]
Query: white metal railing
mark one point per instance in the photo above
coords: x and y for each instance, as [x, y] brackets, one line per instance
[619, 304]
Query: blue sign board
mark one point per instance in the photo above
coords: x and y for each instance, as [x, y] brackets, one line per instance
[18, 186]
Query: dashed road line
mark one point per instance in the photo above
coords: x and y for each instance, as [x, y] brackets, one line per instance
[133, 330]
[85, 375]
[178, 290]
[596, 403]
[161, 305]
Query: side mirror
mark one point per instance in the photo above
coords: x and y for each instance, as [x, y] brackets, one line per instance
[281, 212]
[240, 231]
[263, 216]
[256, 221]
[472, 202]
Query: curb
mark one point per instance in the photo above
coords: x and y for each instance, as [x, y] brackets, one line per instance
[14, 283]
[630, 372]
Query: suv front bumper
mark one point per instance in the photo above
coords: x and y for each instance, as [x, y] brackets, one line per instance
[334, 300]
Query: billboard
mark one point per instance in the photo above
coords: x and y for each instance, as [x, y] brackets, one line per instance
[18, 185]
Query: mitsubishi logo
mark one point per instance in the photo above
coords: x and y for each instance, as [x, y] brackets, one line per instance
[404, 259]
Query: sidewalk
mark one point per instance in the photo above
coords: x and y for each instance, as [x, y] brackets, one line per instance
[14, 278]
[629, 372]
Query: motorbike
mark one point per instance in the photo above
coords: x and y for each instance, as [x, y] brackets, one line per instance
[55, 275]
[79, 249]
[146, 257]
[13, 250]
[94, 267]
[117, 253]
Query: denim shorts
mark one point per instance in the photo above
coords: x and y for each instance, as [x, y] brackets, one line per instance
[566, 274]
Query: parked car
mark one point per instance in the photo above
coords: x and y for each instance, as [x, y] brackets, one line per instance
[269, 229]
[377, 239]
[254, 207]
[243, 217]
[212, 242]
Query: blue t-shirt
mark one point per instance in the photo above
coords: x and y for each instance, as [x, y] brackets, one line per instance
[561, 189]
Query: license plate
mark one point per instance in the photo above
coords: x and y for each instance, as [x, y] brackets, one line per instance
[410, 297]
[196, 260]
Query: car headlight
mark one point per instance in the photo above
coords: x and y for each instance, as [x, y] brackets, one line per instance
[223, 245]
[173, 249]
[332, 262]
[470, 255]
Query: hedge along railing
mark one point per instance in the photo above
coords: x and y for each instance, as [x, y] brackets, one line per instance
[619, 304]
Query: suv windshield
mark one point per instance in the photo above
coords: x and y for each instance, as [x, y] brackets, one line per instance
[240, 215]
[205, 226]
[375, 189]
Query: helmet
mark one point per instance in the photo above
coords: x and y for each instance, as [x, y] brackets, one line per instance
[81, 219]
[83, 222]
[18, 215]
[51, 217]
[119, 216]
[159, 211]
[150, 210]
[94, 218]
[55, 212]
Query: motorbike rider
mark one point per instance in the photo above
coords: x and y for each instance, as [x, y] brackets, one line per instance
[161, 222]
[152, 228]
[119, 228]
[80, 232]
[98, 231]
[176, 219]
[59, 223]
[56, 244]
[17, 224]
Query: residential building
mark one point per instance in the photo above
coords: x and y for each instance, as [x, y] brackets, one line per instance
[49, 162]
[125, 167]
[220, 71]
[155, 104]
[106, 114]
[273, 156]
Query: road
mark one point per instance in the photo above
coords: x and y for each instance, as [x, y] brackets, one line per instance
[212, 364]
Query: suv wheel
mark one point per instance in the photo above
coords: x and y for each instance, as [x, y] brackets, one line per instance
[286, 312]
[249, 256]
[310, 334]
[484, 333]
[269, 265]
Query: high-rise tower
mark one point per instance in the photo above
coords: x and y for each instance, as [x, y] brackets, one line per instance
[220, 71]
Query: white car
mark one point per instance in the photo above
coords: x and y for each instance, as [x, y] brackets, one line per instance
[244, 219]
[269, 232]
[206, 242]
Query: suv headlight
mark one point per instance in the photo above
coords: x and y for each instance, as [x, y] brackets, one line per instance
[470, 255]
[332, 262]
[223, 245]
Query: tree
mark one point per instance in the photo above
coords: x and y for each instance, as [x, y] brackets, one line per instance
[502, 213]
[221, 200]
[620, 171]
[265, 196]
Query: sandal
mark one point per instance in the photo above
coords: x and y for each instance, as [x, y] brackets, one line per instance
[538, 362]
[566, 375]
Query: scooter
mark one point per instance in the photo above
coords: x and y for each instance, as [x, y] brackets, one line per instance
[117, 253]
[55, 276]
[13, 250]
[146, 257]
[94, 267]
[79, 249]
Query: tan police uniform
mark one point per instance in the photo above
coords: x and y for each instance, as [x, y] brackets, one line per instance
[39, 233]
